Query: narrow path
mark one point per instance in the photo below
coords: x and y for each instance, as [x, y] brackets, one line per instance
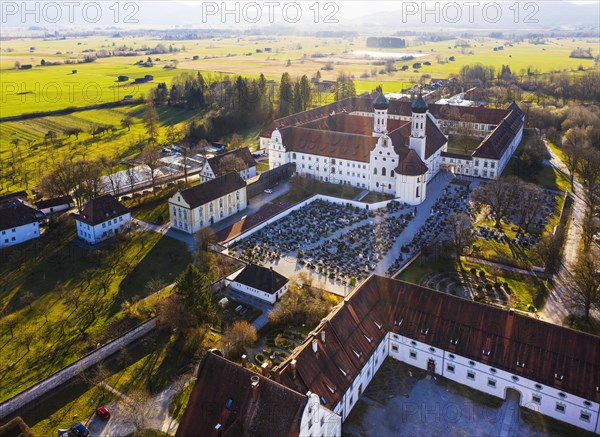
[557, 306]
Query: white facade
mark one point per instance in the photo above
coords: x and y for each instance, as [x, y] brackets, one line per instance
[57, 208]
[549, 401]
[207, 173]
[93, 234]
[191, 220]
[318, 420]
[378, 174]
[19, 234]
[260, 294]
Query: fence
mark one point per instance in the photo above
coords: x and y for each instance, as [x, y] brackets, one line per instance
[56, 379]
[302, 204]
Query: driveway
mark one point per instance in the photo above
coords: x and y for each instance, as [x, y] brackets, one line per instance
[265, 307]
[157, 415]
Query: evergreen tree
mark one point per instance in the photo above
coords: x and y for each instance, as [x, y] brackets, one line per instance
[286, 95]
[193, 287]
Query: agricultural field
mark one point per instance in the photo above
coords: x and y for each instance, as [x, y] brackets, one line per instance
[58, 306]
[23, 141]
[57, 87]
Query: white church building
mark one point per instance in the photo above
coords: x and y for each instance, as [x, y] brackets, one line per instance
[371, 151]
[394, 147]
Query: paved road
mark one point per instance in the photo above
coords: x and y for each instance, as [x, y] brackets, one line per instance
[557, 307]
[156, 417]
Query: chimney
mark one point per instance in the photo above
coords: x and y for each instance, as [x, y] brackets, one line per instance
[264, 369]
[244, 361]
[323, 337]
[294, 370]
[315, 343]
[255, 380]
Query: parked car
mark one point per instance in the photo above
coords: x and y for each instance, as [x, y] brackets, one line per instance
[78, 430]
[103, 413]
[268, 191]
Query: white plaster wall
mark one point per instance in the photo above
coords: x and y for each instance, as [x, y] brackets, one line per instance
[20, 234]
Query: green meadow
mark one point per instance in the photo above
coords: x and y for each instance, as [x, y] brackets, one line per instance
[56, 87]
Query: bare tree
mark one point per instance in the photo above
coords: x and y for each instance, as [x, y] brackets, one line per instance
[113, 178]
[237, 337]
[88, 177]
[574, 140]
[130, 173]
[460, 235]
[586, 293]
[136, 406]
[150, 157]
[236, 142]
[529, 204]
[498, 196]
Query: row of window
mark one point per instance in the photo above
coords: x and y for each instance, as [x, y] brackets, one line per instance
[13, 230]
[114, 221]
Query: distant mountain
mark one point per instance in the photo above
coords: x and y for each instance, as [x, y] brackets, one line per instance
[540, 15]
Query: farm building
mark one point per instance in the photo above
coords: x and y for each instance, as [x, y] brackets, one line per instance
[54, 205]
[261, 282]
[102, 218]
[239, 161]
[19, 222]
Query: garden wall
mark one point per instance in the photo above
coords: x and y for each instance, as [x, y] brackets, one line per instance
[55, 380]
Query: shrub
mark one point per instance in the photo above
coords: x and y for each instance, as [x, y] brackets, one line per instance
[259, 358]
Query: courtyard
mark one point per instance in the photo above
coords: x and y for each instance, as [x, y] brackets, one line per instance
[402, 400]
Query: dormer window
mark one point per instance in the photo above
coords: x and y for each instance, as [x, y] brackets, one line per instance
[379, 326]
[343, 371]
[398, 323]
[425, 331]
[454, 341]
[521, 364]
[358, 355]
[332, 390]
[369, 339]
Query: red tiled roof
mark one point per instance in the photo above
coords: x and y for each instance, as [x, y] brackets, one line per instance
[213, 189]
[437, 318]
[411, 164]
[328, 143]
[101, 209]
[15, 213]
[396, 107]
[223, 395]
[495, 144]
[234, 160]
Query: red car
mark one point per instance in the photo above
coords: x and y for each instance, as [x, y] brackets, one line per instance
[103, 413]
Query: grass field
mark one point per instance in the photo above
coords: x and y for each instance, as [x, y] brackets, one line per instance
[525, 288]
[462, 145]
[37, 156]
[55, 87]
[61, 299]
[509, 254]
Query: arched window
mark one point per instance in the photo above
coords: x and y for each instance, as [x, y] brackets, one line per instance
[392, 173]
[293, 155]
[375, 170]
[383, 171]
[418, 192]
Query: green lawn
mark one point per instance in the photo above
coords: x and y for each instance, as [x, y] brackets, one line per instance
[462, 145]
[509, 254]
[57, 87]
[64, 299]
[34, 157]
[526, 290]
